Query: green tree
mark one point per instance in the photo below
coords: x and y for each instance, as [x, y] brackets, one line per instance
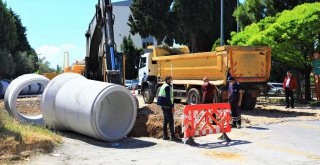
[44, 66]
[8, 32]
[149, 17]
[59, 69]
[197, 23]
[23, 54]
[254, 10]
[291, 34]
[17, 56]
[132, 54]
[188, 22]
[24, 63]
[7, 65]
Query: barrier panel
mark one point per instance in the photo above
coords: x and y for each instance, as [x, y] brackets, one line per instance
[204, 119]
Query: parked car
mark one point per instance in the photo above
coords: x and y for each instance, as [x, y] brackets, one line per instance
[130, 84]
[275, 89]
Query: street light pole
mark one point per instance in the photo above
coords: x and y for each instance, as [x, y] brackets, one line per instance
[238, 25]
[221, 26]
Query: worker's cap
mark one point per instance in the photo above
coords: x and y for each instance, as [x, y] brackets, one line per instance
[168, 78]
[231, 78]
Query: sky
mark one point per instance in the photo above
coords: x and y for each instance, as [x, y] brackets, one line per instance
[56, 26]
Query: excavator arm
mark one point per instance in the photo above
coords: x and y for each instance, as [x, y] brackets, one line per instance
[101, 54]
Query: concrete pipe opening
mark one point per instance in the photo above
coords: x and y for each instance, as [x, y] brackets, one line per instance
[24, 113]
[115, 113]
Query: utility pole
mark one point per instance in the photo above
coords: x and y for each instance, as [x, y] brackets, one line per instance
[221, 25]
[238, 25]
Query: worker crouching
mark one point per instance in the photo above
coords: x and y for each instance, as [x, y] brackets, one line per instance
[166, 101]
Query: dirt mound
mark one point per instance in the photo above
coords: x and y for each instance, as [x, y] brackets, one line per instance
[149, 122]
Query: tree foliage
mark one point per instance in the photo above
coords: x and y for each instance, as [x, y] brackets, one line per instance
[132, 54]
[149, 17]
[254, 10]
[291, 34]
[188, 22]
[7, 65]
[17, 56]
[8, 30]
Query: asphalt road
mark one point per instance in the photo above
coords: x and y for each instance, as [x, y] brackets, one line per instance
[293, 142]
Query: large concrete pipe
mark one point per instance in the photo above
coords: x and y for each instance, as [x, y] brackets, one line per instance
[3, 87]
[35, 89]
[13, 91]
[96, 109]
[25, 91]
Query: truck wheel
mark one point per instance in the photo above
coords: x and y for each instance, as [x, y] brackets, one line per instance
[137, 101]
[194, 96]
[249, 103]
[147, 98]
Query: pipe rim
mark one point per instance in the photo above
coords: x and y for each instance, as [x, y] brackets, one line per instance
[97, 108]
[14, 91]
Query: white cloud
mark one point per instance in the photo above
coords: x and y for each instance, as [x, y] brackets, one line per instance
[68, 47]
[54, 54]
[48, 51]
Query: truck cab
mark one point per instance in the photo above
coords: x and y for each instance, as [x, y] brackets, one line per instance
[147, 77]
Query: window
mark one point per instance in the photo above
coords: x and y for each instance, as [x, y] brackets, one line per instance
[143, 62]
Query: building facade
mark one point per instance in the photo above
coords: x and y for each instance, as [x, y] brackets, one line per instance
[121, 10]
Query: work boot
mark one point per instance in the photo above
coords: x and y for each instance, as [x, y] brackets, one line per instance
[165, 137]
[234, 125]
[191, 142]
[175, 139]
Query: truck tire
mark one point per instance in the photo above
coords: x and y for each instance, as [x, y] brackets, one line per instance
[194, 96]
[249, 103]
[147, 97]
[137, 102]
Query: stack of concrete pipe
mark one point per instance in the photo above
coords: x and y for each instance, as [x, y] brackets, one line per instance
[71, 102]
[3, 87]
[33, 89]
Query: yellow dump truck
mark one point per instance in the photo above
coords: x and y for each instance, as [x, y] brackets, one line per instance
[249, 65]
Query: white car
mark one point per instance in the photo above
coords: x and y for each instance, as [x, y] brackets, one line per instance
[276, 89]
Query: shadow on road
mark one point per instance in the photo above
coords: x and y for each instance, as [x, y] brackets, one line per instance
[275, 113]
[223, 144]
[128, 143]
[257, 128]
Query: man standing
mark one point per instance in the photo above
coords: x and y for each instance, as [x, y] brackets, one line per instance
[208, 97]
[290, 86]
[235, 99]
[165, 100]
[208, 91]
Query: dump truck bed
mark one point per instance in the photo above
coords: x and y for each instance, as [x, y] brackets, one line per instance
[247, 64]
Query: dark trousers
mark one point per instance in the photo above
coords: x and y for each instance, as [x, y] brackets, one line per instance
[210, 101]
[289, 94]
[235, 112]
[168, 119]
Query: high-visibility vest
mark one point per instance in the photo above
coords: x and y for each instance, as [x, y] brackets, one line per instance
[162, 92]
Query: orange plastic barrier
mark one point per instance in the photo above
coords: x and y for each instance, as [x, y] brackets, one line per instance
[198, 119]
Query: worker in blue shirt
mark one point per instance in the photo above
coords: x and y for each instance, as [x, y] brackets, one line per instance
[166, 101]
[235, 99]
